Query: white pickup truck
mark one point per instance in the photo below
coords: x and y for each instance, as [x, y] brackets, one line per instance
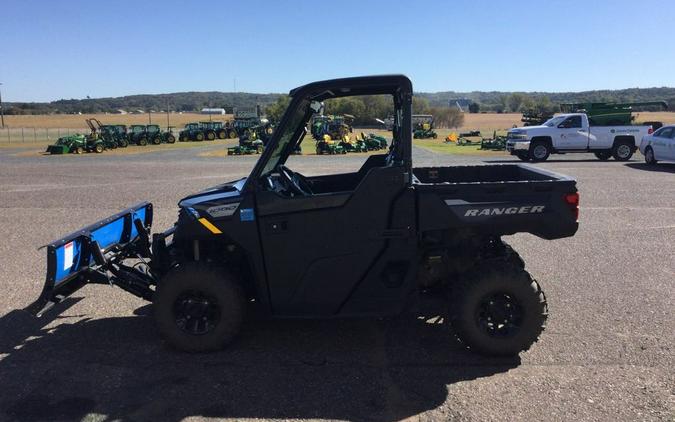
[572, 133]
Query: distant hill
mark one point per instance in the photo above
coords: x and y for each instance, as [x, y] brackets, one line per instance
[195, 101]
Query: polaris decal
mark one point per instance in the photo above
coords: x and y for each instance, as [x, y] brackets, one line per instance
[486, 209]
[223, 210]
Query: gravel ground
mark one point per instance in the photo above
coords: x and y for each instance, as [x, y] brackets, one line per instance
[607, 353]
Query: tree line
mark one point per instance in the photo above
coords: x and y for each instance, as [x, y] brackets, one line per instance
[368, 109]
[438, 102]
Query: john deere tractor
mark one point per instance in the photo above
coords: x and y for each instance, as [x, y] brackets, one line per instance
[156, 136]
[192, 132]
[214, 130]
[98, 133]
[76, 144]
[116, 134]
[374, 142]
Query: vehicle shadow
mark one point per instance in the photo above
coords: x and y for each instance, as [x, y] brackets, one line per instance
[117, 369]
[659, 168]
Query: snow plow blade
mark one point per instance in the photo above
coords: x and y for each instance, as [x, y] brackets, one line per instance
[95, 254]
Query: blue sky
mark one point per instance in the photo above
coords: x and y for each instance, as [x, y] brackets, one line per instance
[71, 49]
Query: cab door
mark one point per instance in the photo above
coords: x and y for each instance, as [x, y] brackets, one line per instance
[321, 250]
[571, 134]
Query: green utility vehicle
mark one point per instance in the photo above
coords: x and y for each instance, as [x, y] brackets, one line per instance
[248, 144]
[374, 142]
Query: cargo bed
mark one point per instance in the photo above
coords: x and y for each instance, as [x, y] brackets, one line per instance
[498, 199]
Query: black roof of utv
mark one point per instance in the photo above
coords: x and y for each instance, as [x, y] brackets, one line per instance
[359, 85]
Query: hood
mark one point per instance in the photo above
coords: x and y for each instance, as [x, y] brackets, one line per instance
[214, 195]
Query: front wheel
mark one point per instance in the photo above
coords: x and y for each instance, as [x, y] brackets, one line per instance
[498, 311]
[199, 308]
[170, 139]
[98, 148]
[539, 151]
[622, 151]
[650, 158]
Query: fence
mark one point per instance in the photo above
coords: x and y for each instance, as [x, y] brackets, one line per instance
[18, 135]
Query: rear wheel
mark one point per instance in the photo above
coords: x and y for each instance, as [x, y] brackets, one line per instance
[210, 136]
[199, 308]
[142, 142]
[156, 140]
[622, 151]
[79, 150]
[650, 158]
[603, 155]
[539, 151]
[98, 148]
[222, 134]
[199, 136]
[232, 134]
[498, 311]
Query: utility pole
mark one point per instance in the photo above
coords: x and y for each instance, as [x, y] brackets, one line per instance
[2, 113]
[149, 117]
[167, 114]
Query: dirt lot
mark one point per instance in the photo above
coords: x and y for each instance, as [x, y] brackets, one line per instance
[607, 353]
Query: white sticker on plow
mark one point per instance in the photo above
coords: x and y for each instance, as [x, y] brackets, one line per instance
[68, 256]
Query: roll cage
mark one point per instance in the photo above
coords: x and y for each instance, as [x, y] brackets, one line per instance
[307, 96]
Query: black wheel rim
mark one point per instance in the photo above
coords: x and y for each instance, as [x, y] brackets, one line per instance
[499, 315]
[196, 313]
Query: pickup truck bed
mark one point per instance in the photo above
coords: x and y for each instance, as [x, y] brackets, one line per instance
[496, 199]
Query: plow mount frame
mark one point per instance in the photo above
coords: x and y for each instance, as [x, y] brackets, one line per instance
[95, 256]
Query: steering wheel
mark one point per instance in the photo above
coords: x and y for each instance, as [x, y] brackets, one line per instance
[294, 182]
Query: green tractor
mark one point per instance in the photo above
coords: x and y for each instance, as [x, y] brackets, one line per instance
[76, 144]
[214, 130]
[116, 134]
[192, 132]
[424, 127]
[138, 135]
[97, 133]
[156, 136]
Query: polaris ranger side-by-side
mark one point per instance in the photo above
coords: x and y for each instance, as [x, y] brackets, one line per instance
[262, 242]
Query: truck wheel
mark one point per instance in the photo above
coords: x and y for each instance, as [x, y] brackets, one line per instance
[539, 151]
[523, 155]
[650, 158]
[199, 308]
[622, 151]
[499, 311]
[603, 155]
